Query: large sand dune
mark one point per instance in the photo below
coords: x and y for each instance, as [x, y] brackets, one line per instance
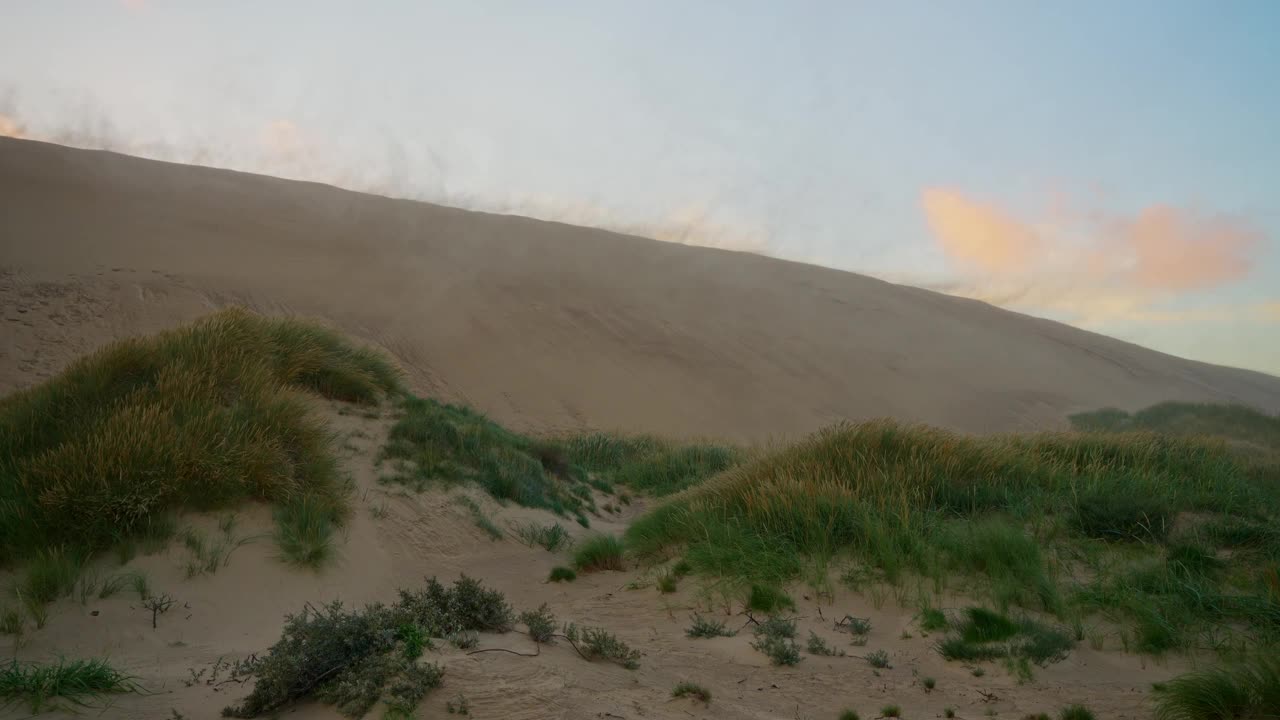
[541, 325]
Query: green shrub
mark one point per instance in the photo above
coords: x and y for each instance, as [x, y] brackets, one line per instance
[932, 620]
[775, 638]
[688, 689]
[818, 646]
[704, 628]
[878, 659]
[371, 647]
[562, 574]
[40, 685]
[198, 418]
[891, 711]
[602, 552]
[984, 634]
[541, 623]
[850, 715]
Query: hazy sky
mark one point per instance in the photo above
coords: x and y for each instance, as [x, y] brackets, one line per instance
[1111, 164]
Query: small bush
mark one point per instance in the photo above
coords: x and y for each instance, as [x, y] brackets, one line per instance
[928, 683]
[891, 711]
[767, 599]
[854, 625]
[704, 628]
[1249, 688]
[602, 552]
[850, 715]
[541, 623]
[1076, 712]
[878, 659]
[688, 689]
[775, 638]
[781, 651]
[818, 646]
[371, 647]
[562, 574]
[595, 642]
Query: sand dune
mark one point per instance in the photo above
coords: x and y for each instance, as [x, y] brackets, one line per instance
[540, 325]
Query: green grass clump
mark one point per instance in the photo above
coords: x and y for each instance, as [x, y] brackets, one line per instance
[891, 711]
[767, 599]
[688, 689]
[1244, 689]
[602, 552]
[984, 634]
[350, 658]
[435, 443]
[562, 574]
[40, 686]
[850, 715]
[704, 628]
[552, 537]
[647, 464]
[198, 418]
[932, 619]
[819, 646]
[1076, 712]
[304, 530]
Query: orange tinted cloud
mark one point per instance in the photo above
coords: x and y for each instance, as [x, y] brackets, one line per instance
[10, 127]
[977, 235]
[1089, 265]
[1176, 251]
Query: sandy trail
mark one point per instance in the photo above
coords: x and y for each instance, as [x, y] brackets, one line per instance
[540, 325]
[398, 538]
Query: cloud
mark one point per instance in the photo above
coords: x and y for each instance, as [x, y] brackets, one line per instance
[978, 235]
[1089, 266]
[10, 127]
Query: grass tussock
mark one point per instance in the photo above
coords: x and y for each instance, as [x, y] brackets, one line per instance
[984, 634]
[691, 690]
[601, 552]
[1247, 689]
[1018, 517]
[198, 418]
[77, 682]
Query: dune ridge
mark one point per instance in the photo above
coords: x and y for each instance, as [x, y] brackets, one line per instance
[541, 325]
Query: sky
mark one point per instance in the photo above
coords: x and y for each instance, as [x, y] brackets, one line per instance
[1111, 165]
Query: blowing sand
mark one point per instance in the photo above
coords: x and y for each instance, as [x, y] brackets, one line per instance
[541, 325]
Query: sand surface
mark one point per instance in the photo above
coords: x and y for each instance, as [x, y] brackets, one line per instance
[540, 325]
[398, 538]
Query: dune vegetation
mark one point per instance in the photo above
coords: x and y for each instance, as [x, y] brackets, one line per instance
[1171, 537]
[204, 417]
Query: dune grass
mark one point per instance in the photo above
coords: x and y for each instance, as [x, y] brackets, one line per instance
[193, 419]
[647, 464]
[601, 552]
[438, 444]
[1246, 689]
[1014, 516]
[40, 686]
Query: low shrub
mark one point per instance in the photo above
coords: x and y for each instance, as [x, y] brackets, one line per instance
[602, 552]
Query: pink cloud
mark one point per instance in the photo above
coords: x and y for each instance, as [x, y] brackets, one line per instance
[977, 235]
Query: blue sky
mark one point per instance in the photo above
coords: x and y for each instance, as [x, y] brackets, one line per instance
[1113, 165]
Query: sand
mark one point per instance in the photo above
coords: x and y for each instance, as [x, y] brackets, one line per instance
[544, 327]
[541, 325]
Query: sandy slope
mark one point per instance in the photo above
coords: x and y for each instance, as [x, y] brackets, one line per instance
[540, 325]
[396, 539]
